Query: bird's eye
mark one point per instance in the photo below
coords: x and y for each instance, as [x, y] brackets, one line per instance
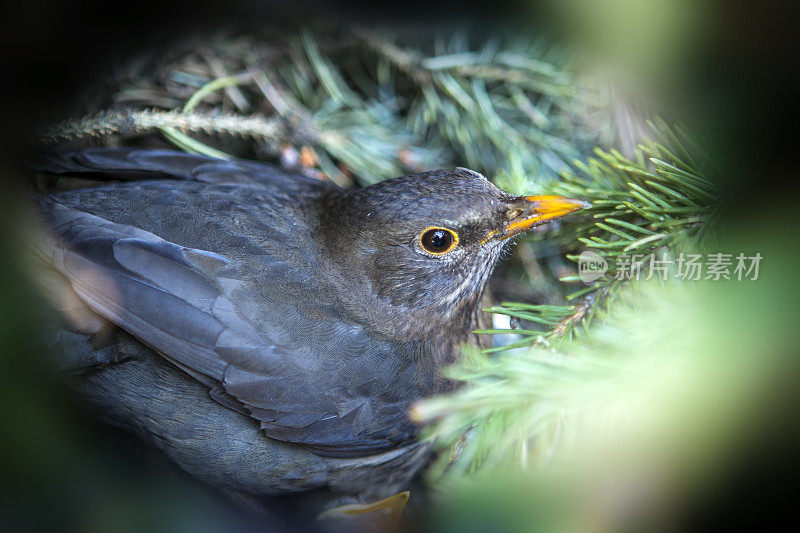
[438, 241]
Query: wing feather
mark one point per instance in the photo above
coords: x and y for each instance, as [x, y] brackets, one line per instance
[297, 365]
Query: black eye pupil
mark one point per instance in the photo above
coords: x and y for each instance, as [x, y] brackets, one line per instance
[437, 240]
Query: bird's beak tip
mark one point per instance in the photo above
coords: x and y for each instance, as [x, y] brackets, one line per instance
[536, 210]
[547, 207]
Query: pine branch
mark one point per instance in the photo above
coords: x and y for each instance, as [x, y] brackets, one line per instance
[502, 108]
[654, 207]
[488, 105]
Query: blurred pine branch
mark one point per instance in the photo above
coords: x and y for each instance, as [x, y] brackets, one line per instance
[363, 106]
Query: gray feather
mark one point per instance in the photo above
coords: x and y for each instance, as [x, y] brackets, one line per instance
[221, 287]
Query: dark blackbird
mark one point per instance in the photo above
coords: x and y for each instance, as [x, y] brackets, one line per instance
[266, 330]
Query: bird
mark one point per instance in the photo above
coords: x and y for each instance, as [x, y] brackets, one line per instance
[266, 330]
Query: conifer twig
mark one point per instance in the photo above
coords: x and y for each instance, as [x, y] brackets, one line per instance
[128, 123]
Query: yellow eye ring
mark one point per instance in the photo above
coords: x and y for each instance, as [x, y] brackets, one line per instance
[436, 240]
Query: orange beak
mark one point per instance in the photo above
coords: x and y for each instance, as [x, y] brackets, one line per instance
[527, 212]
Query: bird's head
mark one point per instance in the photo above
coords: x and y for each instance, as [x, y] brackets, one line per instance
[424, 245]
